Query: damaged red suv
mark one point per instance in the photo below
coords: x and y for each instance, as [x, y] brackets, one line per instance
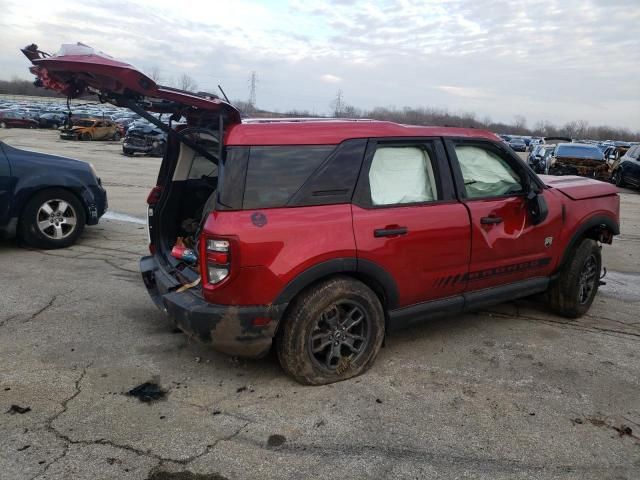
[322, 236]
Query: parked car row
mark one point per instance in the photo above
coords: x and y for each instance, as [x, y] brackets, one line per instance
[621, 165]
[86, 123]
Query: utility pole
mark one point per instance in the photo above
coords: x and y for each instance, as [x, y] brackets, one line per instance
[252, 89]
[338, 104]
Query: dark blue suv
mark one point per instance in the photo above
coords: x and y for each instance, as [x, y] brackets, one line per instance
[47, 200]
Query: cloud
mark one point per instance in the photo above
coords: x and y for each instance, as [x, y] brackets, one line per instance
[543, 59]
[328, 78]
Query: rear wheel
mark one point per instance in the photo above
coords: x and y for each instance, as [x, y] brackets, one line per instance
[54, 126]
[573, 292]
[52, 218]
[116, 136]
[333, 331]
[3, 125]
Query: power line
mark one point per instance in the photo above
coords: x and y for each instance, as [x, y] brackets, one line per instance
[252, 89]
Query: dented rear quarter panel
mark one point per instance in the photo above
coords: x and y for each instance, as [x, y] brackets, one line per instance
[269, 256]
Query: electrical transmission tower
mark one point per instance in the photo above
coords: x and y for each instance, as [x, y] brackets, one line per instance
[252, 89]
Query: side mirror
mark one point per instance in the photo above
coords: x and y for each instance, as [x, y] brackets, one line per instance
[537, 207]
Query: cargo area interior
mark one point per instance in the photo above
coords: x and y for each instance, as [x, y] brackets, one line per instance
[191, 190]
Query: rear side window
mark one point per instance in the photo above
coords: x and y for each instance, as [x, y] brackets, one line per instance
[275, 173]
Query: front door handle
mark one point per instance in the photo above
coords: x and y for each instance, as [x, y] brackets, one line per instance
[491, 220]
[390, 232]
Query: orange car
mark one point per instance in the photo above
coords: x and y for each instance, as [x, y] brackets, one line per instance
[91, 129]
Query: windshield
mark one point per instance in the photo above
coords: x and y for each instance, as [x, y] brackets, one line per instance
[579, 151]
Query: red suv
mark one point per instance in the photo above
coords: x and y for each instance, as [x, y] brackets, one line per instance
[325, 235]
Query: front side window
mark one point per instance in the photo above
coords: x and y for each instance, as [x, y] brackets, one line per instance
[401, 174]
[485, 173]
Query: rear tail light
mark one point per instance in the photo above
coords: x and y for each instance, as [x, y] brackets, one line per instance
[218, 260]
[154, 195]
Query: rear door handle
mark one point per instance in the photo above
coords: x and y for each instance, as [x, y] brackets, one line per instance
[390, 232]
[491, 220]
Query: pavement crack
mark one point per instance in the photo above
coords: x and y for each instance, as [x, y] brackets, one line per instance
[209, 448]
[43, 309]
[68, 441]
[8, 319]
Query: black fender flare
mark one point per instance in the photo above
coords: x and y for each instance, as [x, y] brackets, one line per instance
[593, 222]
[346, 265]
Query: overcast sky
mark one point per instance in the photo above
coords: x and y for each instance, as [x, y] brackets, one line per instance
[557, 60]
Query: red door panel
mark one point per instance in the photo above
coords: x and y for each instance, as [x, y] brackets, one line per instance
[430, 260]
[512, 249]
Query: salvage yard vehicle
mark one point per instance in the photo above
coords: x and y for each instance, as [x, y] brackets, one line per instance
[11, 119]
[47, 200]
[144, 138]
[91, 129]
[322, 236]
[518, 144]
[539, 158]
[626, 170]
[52, 120]
[582, 159]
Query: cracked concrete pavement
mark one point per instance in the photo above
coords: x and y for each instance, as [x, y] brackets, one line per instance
[512, 392]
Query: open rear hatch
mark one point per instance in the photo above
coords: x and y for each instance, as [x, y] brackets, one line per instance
[78, 69]
[186, 183]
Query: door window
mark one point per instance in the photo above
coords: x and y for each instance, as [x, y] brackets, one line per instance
[402, 174]
[485, 173]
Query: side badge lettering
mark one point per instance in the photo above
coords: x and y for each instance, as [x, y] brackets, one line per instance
[548, 241]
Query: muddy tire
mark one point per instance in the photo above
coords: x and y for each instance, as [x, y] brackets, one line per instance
[52, 218]
[116, 137]
[86, 137]
[573, 292]
[332, 331]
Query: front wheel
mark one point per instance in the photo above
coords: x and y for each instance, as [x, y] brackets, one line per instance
[86, 136]
[333, 331]
[617, 178]
[116, 136]
[52, 218]
[573, 292]
[3, 125]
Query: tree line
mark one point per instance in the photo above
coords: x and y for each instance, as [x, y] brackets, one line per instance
[579, 129]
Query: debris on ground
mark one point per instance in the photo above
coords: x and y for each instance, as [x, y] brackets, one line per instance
[275, 440]
[13, 409]
[147, 392]
[241, 389]
[624, 430]
[184, 475]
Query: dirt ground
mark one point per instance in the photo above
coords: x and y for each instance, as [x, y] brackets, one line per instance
[512, 392]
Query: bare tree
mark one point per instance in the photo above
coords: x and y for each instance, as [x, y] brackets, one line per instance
[185, 82]
[154, 74]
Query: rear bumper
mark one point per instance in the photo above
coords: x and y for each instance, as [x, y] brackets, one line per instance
[228, 328]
